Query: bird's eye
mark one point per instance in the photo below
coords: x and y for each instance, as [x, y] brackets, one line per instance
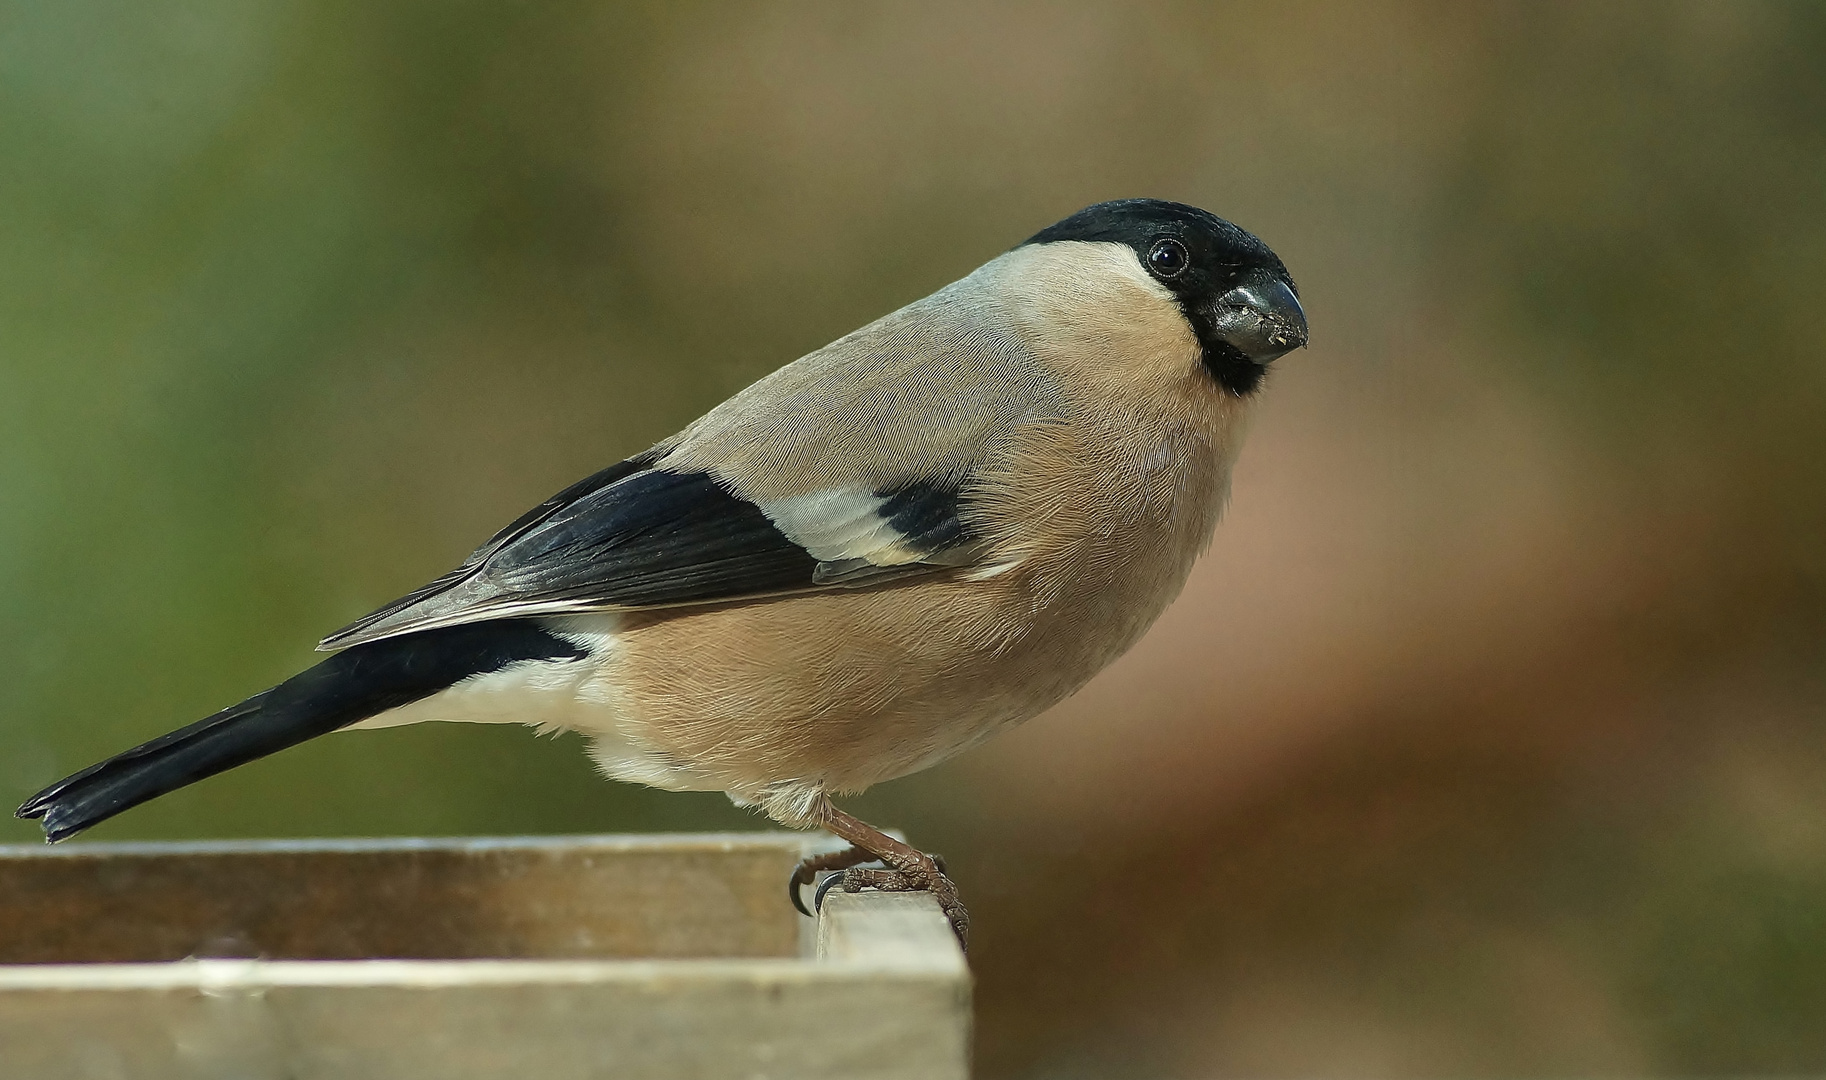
[1168, 258]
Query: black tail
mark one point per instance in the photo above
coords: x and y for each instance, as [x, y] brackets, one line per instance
[348, 687]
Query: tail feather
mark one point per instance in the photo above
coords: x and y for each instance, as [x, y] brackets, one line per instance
[231, 737]
[348, 687]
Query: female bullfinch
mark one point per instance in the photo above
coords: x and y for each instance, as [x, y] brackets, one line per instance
[876, 557]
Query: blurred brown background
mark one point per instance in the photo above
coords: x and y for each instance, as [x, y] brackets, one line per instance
[1489, 739]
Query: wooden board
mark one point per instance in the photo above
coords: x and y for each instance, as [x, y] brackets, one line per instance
[594, 897]
[740, 989]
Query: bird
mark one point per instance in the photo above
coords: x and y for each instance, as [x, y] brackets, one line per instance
[865, 563]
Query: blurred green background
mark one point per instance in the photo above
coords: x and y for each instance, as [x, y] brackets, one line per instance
[1489, 740]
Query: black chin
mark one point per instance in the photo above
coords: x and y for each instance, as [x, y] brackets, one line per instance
[1233, 371]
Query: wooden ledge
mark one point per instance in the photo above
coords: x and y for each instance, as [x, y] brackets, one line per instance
[877, 989]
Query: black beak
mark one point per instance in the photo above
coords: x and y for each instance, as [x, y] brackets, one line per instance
[1261, 317]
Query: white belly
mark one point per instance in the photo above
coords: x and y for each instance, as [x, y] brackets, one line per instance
[553, 697]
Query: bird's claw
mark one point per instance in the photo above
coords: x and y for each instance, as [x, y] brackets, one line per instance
[825, 886]
[808, 869]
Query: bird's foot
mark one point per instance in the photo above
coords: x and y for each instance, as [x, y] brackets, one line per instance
[927, 876]
[908, 869]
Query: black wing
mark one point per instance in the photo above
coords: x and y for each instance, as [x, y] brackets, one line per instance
[656, 538]
[635, 536]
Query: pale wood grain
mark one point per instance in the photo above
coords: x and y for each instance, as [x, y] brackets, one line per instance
[886, 995]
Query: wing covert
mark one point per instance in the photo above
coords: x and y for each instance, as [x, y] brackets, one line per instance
[656, 538]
